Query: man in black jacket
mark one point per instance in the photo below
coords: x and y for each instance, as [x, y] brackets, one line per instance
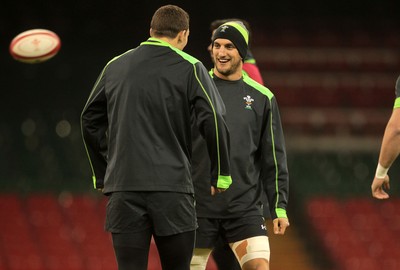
[258, 161]
[222, 253]
[136, 127]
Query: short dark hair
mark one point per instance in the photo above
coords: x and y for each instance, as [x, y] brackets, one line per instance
[169, 20]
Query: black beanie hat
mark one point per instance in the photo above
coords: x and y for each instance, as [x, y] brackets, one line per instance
[237, 33]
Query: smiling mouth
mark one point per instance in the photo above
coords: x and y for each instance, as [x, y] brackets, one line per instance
[223, 61]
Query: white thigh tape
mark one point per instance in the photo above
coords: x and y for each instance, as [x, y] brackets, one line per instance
[257, 247]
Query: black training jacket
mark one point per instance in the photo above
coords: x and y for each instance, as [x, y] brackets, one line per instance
[258, 155]
[136, 124]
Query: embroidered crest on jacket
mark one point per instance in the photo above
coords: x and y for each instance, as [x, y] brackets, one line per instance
[249, 102]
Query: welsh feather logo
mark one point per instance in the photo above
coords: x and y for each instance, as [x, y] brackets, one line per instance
[249, 102]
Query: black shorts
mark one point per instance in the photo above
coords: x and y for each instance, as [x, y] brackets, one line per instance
[230, 230]
[164, 213]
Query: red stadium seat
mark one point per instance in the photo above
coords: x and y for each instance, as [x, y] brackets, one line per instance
[17, 244]
[354, 232]
[53, 233]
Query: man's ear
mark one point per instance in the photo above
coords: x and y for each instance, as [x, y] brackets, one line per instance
[187, 32]
[183, 36]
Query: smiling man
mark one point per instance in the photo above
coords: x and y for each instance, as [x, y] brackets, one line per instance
[258, 161]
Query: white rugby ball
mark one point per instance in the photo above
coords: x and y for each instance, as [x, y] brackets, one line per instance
[35, 46]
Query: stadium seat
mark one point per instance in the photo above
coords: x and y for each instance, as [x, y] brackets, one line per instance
[93, 243]
[53, 233]
[18, 247]
[355, 233]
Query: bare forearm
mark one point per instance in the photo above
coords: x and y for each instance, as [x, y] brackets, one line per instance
[391, 141]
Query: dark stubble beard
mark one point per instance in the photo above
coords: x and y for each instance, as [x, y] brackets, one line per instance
[234, 67]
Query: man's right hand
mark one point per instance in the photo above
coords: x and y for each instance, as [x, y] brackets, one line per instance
[378, 187]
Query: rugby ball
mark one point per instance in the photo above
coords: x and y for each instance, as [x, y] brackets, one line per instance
[35, 46]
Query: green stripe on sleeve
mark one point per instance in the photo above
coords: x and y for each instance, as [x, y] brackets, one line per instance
[215, 118]
[94, 181]
[275, 160]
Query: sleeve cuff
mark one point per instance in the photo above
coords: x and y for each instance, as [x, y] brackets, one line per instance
[397, 103]
[280, 213]
[97, 183]
[224, 181]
